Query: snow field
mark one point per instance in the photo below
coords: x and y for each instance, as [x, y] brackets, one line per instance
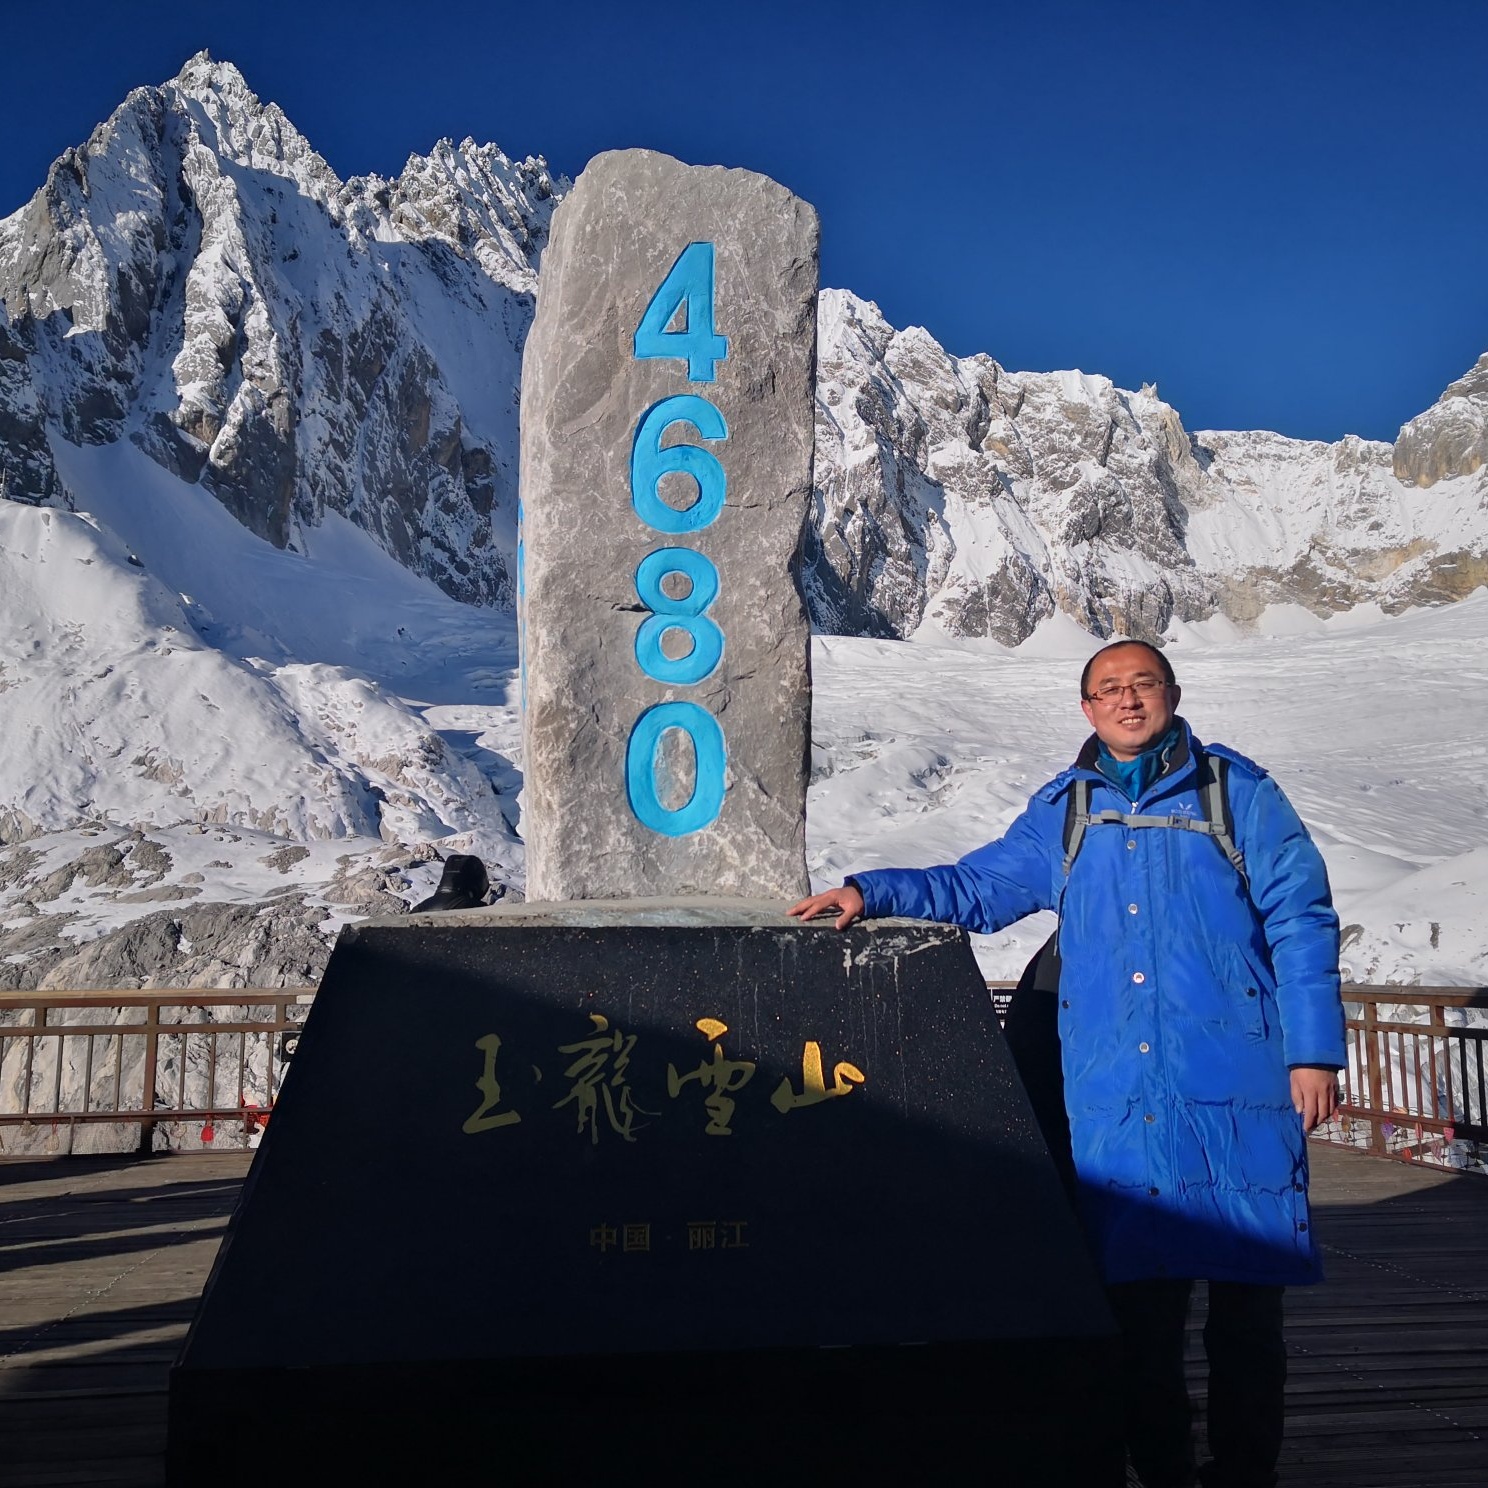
[165, 672]
[1374, 727]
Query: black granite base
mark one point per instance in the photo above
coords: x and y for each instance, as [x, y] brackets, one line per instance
[548, 1200]
[1039, 1416]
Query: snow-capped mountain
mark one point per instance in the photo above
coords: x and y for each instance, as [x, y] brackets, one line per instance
[195, 279]
[258, 440]
[1451, 438]
[250, 418]
[964, 499]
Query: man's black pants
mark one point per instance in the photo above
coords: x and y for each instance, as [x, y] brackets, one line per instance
[1247, 1382]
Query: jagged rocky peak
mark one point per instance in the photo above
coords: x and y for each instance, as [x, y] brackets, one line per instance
[477, 201]
[235, 125]
[196, 279]
[956, 496]
[954, 493]
[1451, 437]
[106, 204]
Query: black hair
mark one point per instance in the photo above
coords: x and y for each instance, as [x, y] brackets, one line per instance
[1163, 664]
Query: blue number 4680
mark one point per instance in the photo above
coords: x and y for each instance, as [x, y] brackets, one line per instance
[689, 282]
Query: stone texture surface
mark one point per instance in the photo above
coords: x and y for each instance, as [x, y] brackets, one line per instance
[717, 909]
[629, 217]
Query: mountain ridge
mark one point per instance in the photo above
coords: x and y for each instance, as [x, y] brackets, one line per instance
[196, 279]
[258, 438]
[960, 497]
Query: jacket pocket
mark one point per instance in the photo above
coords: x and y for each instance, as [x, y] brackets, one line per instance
[1249, 994]
[1253, 1011]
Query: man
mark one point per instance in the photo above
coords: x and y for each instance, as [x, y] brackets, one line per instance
[1201, 1033]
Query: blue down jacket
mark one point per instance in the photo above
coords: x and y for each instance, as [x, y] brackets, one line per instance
[1183, 1001]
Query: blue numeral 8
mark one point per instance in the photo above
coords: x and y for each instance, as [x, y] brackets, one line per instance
[685, 614]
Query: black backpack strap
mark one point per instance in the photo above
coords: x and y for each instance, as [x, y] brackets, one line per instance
[1076, 819]
[1216, 820]
[1214, 798]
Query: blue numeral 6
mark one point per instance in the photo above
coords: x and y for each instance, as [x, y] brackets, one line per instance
[649, 462]
[702, 808]
[685, 615]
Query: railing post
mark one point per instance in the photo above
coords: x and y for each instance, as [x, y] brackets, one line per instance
[152, 1034]
[1373, 1076]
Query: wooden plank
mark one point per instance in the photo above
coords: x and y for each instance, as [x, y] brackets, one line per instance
[166, 996]
[1389, 1357]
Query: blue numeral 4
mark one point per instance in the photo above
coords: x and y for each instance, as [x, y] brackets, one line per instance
[689, 282]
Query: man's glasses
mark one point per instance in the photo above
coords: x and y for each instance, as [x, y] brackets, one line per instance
[1113, 692]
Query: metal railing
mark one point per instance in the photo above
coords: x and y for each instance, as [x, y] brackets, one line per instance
[197, 1057]
[1416, 1085]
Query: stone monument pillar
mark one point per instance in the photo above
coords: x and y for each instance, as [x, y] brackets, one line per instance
[667, 430]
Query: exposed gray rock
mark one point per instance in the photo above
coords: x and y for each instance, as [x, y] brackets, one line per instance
[206, 945]
[1451, 437]
[162, 894]
[371, 888]
[957, 496]
[158, 288]
[17, 865]
[28, 948]
[150, 858]
[98, 867]
[129, 862]
[1058, 480]
[628, 220]
[27, 472]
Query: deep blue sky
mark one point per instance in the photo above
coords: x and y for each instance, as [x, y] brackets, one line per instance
[1277, 210]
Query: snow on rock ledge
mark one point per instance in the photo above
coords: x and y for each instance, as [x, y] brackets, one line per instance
[1451, 437]
[957, 497]
[196, 279]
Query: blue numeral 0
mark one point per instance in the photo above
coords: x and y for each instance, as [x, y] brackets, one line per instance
[684, 614]
[709, 756]
[649, 462]
[689, 281]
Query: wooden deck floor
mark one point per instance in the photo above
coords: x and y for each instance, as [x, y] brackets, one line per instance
[102, 1260]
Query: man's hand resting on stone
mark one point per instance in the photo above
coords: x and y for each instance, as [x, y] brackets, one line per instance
[846, 903]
